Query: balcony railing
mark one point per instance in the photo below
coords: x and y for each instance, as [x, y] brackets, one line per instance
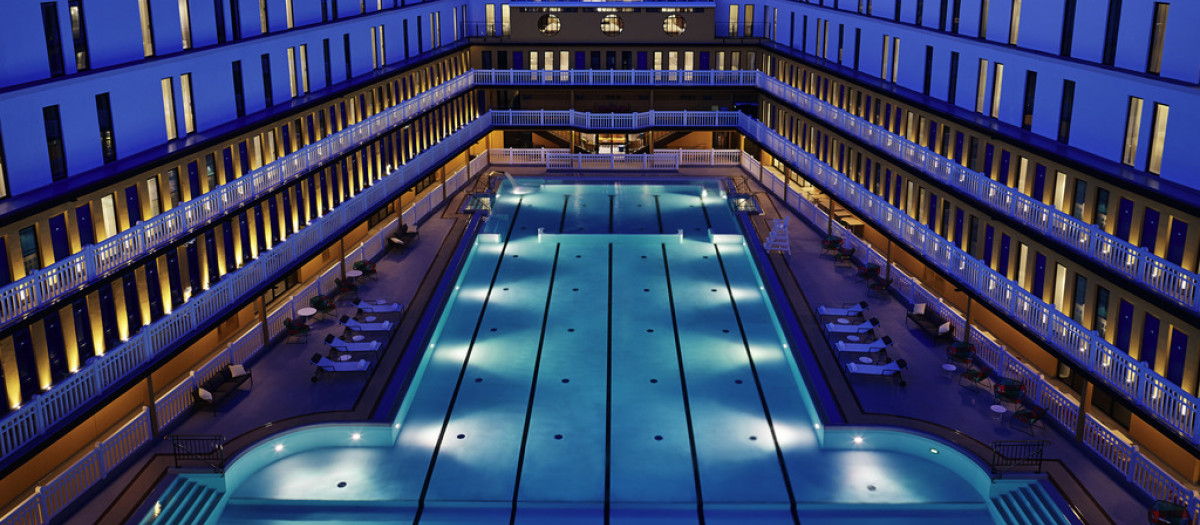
[1168, 279]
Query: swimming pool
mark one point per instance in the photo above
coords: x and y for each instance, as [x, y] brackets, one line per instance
[609, 351]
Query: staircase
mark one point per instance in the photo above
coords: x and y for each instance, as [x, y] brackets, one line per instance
[778, 239]
[1026, 503]
[188, 500]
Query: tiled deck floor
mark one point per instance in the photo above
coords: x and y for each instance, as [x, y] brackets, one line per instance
[282, 395]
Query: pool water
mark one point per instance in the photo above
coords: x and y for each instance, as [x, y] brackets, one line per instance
[608, 351]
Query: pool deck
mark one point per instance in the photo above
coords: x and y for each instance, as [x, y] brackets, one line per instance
[282, 396]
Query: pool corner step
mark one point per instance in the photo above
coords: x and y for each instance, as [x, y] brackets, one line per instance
[187, 500]
[1025, 503]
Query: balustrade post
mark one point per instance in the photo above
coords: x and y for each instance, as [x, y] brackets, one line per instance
[151, 405]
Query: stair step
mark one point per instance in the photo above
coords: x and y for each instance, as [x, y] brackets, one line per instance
[179, 501]
[1049, 510]
[198, 501]
[1025, 511]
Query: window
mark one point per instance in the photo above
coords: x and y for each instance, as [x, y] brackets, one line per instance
[152, 199]
[189, 112]
[382, 48]
[328, 69]
[235, 19]
[611, 25]
[1158, 135]
[983, 18]
[1133, 126]
[266, 76]
[1079, 305]
[1100, 217]
[749, 20]
[953, 89]
[733, 20]
[981, 85]
[504, 10]
[1014, 22]
[239, 94]
[1030, 90]
[1065, 109]
[1068, 28]
[997, 79]
[928, 68]
[168, 93]
[53, 38]
[287, 9]
[219, 15]
[79, 35]
[291, 54]
[1154, 62]
[54, 142]
[185, 24]
[264, 22]
[3, 171]
[374, 47]
[490, 16]
[108, 142]
[304, 67]
[148, 29]
[1110, 32]
[674, 25]
[29, 249]
[108, 215]
[549, 25]
[1060, 287]
[1081, 189]
[346, 52]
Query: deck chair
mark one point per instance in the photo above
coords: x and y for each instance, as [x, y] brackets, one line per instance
[325, 364]
[877, 345]
[977, 376]
[844, 254]
[890, 369]
[1028, 414]
[835, 328]
[357, 326]
[342, 345]
[376, 307]
[847, 310]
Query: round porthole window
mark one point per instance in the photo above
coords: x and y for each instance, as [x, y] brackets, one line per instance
[611, 25]
[549, 25]
[674, 25]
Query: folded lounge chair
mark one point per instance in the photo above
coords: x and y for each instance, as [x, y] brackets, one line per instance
[357, 326]
[377, 306]
[1030, 415]
[890, 369]
[877, 345]
[325, 364]
[347, 346]
[852, 328]
[848, 310]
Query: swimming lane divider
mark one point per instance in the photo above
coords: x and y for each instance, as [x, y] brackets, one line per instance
[612, 204]
[762, 397]
[463, 371]
[537, 366]
[608, 398]
[687, 407]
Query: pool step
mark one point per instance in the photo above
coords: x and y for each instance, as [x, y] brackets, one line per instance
[187, 500]
[1026, 503]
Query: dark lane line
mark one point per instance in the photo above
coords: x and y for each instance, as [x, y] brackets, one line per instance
[463, 371]
[537, 366]
[608, 398]
[704, 209]
[658, 213]
[687, 408]
[787, 480]
[612, 203]
[563, 219]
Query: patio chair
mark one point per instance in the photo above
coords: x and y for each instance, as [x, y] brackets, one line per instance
[376, 307]
[878, 345]
[831, 243]
[341, 345]
[870, 271]
[879, 285]
[847, 310]
[890, 369]
[367, 268]
[325, 364]
[357, 326]
[976, 376]
[961, 353]
[835, 328]
[321, 303]
[1008, 391]
[843, 254]
[1030, 415]
[298, 332]
[344, 285]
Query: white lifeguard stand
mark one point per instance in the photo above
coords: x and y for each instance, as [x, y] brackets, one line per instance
[777, 240]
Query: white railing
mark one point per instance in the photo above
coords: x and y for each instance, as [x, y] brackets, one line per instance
[1168, 279]
[43, 410]
[93, 262]
[48, 499]
[1121, 455]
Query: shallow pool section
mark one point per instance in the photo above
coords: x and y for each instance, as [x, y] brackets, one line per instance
[601, 356]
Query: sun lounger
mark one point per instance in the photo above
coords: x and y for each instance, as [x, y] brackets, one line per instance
[357, 326]
[848, 310]
[877, 345]
[835, 328]
[890, 369]
[377, 306]
[325, 364]
[351, 346]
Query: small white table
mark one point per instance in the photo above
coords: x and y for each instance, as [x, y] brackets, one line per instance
[998, 411]
[370, 318]
[949, 369]
[853, 338]
[866, 360]
[306, 312]
[354, 274]
[357, 338]
[843, 320]
[344, 357]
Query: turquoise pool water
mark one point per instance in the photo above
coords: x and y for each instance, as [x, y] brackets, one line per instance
[608, 353]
